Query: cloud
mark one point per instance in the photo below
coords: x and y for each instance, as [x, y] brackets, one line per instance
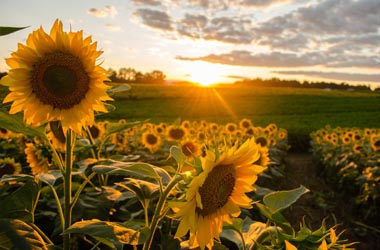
[274, 59]
[113, 27]
[155, 19]
[147, 2]
[192, 25]
[320, 23]
[108, 11]
[289, 59]
[234, 30]
[263, 3]
[341, 76]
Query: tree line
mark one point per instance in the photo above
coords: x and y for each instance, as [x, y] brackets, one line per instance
[130, 75]
[275, 82]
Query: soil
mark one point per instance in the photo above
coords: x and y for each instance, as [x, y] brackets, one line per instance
[325, 202]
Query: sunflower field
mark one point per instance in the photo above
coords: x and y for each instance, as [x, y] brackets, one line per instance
[351, 159]
[71, 182]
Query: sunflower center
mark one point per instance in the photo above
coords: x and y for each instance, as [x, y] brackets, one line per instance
[217, 189]
[60, 80]
[177, 133]
[151, 139]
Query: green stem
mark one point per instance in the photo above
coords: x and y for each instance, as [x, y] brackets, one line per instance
[264, 235]
[68, 187]
[157, 213]
[89, 136]
[80, 189]
[59, 207]
[242, 239]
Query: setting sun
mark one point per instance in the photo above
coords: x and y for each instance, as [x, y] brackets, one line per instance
[205, 74]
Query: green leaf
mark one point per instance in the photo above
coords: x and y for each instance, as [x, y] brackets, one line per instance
[50, 177]
[144, 190]
[112, 234]
[119, 89]
[8, 30]
[16, 234]
[178, 155]
[280, 200]
[15, 123]
[20, 202]
[139, 170]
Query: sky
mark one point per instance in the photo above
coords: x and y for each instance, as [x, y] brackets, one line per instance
[217, 40]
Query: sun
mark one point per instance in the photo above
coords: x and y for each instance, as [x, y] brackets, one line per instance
[204, 74]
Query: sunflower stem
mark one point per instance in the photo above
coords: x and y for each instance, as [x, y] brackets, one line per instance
[157, 213]
[68, 187]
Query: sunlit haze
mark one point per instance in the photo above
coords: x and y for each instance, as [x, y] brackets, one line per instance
[217, 41]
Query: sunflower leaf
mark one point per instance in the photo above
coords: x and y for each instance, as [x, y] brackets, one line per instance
[20, 202]
[280, 200]
[8, 30]
[16, 234]
[14, 123]
[139, 170]
[178, 155]
[112, 234]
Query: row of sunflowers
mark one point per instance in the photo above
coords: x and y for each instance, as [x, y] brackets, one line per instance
[352, 160]
[111, 151]
[102, 185]
[143, 141]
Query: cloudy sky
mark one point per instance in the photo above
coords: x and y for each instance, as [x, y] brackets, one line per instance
[218, 40]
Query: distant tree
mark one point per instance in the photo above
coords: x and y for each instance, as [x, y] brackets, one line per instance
[130, 74]
[139, 77]
[156, 76]
[112, 75]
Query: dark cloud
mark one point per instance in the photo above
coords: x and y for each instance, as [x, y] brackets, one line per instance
[234, 30]
[274, 59]
[155, 19]
[230, 30]
[107, 11]
[147, 2]
[192, 26]
[289, 59]
[331, 19]
[263, 3]
[341, 76]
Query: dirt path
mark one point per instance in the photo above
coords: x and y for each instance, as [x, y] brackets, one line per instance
[322, 202]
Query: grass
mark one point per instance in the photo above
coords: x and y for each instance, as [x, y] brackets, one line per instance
[300, 111]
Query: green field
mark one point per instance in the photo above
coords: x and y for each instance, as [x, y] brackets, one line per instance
[300, 111]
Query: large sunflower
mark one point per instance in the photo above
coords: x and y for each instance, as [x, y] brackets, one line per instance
[55, 77]
[218, 193]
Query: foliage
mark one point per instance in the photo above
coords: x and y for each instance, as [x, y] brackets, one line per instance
[116, 196]
[351, 158]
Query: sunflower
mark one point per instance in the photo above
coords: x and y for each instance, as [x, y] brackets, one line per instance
[151, 141]
[176, 133]
[375, 142]
[9, 166]
[245, 124]
[218, 193]
[35, 157]
[191, 149]
[55, 77]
